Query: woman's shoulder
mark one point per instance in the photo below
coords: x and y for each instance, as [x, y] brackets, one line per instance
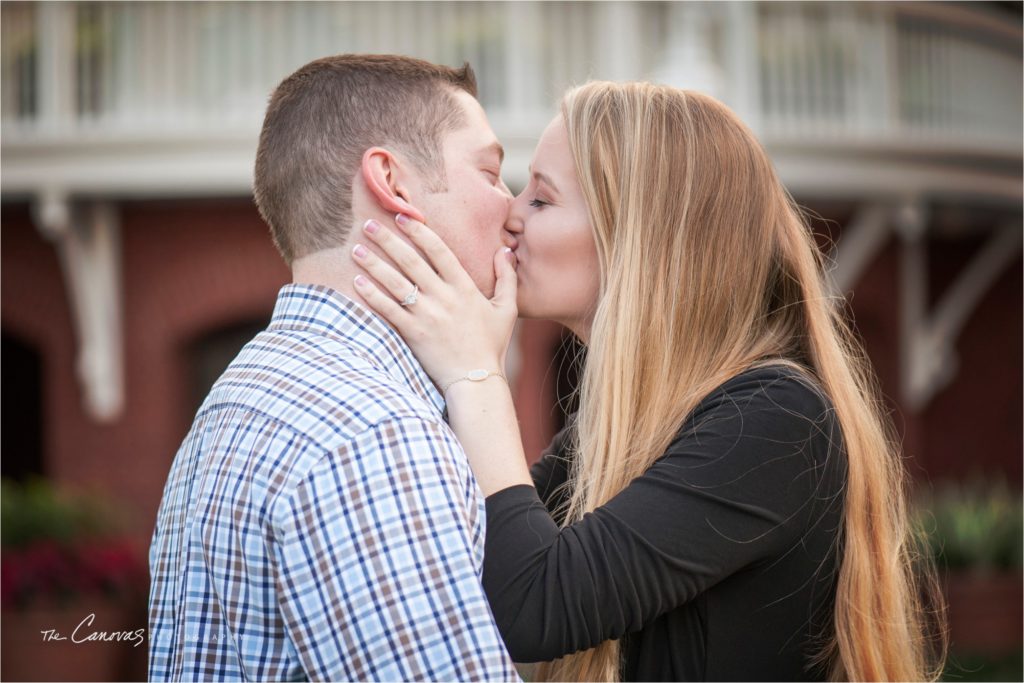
[775, 420]
[766, 406]
[778, 387]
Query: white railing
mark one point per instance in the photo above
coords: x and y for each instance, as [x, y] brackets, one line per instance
[172, 67]
[911, 76]
[897, 75]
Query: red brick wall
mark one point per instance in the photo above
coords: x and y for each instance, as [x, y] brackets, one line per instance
[188, 268]
[973, 425]
[34, 307]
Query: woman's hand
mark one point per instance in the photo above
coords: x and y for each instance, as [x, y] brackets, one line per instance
[450, 326]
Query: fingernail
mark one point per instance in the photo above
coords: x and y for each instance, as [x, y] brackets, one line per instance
[360, 281]
[371, 226]
[509, 254]
[401, 218]
[359, 251]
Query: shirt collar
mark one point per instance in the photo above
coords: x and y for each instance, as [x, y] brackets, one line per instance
[326, 311]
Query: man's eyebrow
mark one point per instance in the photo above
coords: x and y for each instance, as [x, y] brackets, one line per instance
[495, 148]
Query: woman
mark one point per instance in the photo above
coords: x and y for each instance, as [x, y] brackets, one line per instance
[729, 502]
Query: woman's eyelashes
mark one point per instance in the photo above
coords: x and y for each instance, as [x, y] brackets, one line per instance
[537, 203]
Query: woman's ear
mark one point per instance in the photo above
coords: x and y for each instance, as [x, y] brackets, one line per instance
[382, 175]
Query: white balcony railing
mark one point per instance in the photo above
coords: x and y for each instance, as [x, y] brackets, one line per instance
[107, 84]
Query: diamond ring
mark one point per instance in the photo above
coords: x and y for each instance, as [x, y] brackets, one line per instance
[413, 296]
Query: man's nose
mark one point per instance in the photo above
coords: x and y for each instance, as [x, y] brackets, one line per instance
[514, 222]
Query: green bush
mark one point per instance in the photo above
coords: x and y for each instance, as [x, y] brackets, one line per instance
[35, 511]
[977, 525]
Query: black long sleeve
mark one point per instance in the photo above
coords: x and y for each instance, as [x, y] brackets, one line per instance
[718, 562]
[551, 472]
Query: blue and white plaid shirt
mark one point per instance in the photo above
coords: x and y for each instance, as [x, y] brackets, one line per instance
[320, 519]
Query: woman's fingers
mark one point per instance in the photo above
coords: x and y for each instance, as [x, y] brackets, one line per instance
[507, 283]
[393, 282]
[412, 265]
[441, 257]
[382, 303]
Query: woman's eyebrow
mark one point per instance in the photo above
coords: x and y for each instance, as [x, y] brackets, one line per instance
[544, 179]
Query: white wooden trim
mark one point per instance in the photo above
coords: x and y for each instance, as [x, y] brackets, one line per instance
[88, 242]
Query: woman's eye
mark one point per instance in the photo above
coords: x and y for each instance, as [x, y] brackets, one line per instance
[537, 203]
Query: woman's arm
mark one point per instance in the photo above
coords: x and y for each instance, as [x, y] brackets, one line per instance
[741, 488]
[550, 473]
[483, 418]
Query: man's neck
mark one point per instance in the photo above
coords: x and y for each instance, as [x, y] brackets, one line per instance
[332, 268]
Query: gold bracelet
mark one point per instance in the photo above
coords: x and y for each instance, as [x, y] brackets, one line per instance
[473, 376]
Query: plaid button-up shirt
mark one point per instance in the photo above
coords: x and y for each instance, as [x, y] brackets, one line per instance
[320, 519]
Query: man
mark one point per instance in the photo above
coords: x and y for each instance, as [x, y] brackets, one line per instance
[320, 520]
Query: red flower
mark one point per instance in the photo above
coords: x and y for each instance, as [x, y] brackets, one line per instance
[48, 569]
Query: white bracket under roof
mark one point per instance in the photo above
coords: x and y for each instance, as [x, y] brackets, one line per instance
[860, 243]
[928, 359]
[928, 338]
[88, 243]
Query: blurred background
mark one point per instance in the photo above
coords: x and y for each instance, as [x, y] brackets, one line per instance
[135, 265]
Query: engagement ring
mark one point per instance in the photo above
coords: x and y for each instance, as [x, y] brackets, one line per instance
[413, 297]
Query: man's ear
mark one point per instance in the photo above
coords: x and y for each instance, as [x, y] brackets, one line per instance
[382, 175]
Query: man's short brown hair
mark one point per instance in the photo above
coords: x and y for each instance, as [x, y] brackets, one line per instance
[321, 120]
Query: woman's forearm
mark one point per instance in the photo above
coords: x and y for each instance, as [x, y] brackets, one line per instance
[483, 417]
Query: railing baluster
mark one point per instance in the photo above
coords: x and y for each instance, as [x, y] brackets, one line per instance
[745, 43]
[55, 76]
[767, 65]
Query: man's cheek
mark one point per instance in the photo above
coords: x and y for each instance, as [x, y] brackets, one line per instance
[494, 217]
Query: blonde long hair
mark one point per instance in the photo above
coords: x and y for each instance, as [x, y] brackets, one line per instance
[708, 270]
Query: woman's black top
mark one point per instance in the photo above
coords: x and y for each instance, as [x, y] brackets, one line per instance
[718, 563]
